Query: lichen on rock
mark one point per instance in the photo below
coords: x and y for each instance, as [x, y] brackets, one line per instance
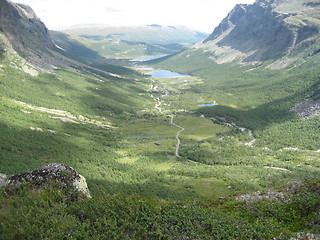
[3, 179]
[81, 185]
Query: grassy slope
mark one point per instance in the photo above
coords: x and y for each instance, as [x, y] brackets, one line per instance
[120, 159]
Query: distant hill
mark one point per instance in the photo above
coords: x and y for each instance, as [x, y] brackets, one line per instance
[153, 34]
[118, 42]
[111, 48]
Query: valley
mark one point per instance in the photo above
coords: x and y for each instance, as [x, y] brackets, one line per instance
[217, 140]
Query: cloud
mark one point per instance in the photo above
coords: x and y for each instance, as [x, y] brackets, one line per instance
[112, 10]
[201, 14]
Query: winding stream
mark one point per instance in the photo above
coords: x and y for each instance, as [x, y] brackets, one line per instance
[250, 132]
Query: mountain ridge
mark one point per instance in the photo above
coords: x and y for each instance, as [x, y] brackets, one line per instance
[266, 30]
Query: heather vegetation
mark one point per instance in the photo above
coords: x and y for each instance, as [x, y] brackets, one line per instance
[52, 214]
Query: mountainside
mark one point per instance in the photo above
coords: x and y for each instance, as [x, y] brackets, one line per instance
[23, 28]
[267, 30]
[24, 37]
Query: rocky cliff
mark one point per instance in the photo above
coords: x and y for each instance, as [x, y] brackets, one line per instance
[23, 28]
[22, 32]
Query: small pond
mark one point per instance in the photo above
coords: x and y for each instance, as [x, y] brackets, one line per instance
[166, 74]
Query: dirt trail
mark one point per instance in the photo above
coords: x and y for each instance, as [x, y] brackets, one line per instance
[177, 137]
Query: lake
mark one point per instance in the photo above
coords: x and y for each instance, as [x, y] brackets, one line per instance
[145, 59]
[207, 105]
[166, 74]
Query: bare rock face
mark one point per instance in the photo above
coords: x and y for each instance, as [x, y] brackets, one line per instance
[255, 28]
[309, 108]
[52, 172]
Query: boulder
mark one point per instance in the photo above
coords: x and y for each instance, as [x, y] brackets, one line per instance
[54, 172]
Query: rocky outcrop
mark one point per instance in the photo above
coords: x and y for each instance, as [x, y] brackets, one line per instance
[255, 28]
[44, 176]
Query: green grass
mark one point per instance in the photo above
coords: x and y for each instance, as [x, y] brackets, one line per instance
[197, 128]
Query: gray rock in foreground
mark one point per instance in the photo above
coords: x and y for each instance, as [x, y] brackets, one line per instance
[52, 172]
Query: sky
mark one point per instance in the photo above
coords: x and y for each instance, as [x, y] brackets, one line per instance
[203, 15]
